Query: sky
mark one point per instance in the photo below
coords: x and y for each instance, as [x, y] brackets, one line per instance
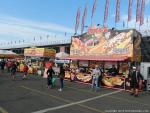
[54, 20]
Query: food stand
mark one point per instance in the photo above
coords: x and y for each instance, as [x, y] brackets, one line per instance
[39, 55]
[107, 47]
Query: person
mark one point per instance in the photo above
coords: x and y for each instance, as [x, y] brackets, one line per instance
[8, 65]
[101, 68]
[25, 71]
[2, 65]
[13, 70]
[50, 73]
[134, 78]
[96, 73]
[61, 77]
[113, 70]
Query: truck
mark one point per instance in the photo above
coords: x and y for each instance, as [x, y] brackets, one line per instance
[145, 72]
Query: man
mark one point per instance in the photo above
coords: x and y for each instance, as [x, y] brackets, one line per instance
[134, 78]
[96, 73]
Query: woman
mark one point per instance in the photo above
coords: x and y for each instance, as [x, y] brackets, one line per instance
[25, 71]
[50, 73]
[13, 70]
[61, 78]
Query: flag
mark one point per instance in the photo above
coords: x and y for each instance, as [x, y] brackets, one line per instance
[130, 10]
[65, 33]
[123, 24]
[147, 20]
[47, 36]
[138, 11]
[106, 13]
[83, 19]
[117, 17]
[77, 20]
[142, 12]
[94, 8]
[40, 37]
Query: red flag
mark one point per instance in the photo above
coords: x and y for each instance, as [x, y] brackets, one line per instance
[138, 11]
[83, 19]
[117, 18]
[94, 8]
[142, 12]
[77, 20]
[106, 13]
[130, 10]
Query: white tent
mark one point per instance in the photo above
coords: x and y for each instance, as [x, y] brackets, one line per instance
[7, 54]
[61, 55]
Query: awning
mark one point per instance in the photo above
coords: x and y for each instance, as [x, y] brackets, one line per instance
[98, 58]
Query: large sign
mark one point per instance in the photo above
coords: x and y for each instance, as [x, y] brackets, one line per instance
[104, 42]
[40, 52]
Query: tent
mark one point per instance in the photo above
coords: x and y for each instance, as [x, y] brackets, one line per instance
[61, 55]
[7, 54]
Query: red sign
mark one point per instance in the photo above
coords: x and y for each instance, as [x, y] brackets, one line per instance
[96, 30]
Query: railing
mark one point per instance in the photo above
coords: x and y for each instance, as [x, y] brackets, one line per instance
[29, 44]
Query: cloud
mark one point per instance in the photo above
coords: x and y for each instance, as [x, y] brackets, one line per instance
[15, 29]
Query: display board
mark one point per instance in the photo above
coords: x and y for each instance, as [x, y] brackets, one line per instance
[40, 52]
[107, 42]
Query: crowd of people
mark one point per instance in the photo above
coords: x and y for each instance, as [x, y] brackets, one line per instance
[97, 73]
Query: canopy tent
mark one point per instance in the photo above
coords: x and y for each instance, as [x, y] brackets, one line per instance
[98, 58]
[7, 54]
[61, 55]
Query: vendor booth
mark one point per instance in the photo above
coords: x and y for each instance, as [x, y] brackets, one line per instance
[37, 57]
[104, 47]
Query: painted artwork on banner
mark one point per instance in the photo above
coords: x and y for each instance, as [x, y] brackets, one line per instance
[106, 42]
[40, 52]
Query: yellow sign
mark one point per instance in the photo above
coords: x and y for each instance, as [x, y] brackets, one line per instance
[41, 52]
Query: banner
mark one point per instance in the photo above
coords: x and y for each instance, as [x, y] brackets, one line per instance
[39, 52]
[109, 42]
[130, 10]
[77, 20]
[94, 8]
[138, 11]
[106, 13]
[117, 17]
[83, 19]
[142, 12]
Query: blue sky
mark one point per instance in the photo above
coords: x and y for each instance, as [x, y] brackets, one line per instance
[26, 19]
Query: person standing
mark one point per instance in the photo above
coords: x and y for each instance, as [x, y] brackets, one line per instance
[13, 70]
[61, 77]
[25, 71]
[95, 79]
[134, 78]
[50, 73]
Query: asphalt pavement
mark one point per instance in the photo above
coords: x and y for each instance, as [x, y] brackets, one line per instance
[32, 96]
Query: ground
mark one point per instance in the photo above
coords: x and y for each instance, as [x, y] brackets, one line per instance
[32, 96]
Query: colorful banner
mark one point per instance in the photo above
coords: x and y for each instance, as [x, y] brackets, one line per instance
[40, 52]
[111, 42]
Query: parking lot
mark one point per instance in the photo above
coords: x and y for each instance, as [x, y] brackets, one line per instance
[32, 96]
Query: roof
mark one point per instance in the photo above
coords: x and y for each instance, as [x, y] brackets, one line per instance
[98, 58]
